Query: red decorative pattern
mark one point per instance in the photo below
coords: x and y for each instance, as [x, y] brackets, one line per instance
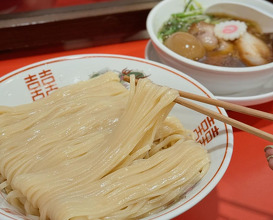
[41, 84]
[206, 131]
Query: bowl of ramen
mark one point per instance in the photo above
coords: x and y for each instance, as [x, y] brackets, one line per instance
[226, 53]
[77, 142]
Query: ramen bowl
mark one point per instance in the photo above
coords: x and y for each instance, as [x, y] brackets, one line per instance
[216, 137]
[221, 81]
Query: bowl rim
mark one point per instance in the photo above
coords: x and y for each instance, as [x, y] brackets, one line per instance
[189, 62]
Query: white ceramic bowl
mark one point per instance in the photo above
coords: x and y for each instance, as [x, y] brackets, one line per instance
[221, 81]
[72, 69]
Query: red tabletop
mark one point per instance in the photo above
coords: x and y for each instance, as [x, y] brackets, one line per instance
[245, 191]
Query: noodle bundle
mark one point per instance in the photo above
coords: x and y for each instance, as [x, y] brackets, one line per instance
[95, 150]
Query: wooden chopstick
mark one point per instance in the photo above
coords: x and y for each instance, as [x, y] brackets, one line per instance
[237, 124]
[227, 105]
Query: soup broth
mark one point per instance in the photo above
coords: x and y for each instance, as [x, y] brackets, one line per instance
[217, 39]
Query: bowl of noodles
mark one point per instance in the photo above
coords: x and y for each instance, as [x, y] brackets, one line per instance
[78, 142]
[226, 53]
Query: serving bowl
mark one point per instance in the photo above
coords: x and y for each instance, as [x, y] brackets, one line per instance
[216, 136]
[221, 81]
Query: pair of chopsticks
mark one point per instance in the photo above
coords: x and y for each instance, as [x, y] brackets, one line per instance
[228, 106]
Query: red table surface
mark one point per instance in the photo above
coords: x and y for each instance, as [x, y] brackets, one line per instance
[246, 189]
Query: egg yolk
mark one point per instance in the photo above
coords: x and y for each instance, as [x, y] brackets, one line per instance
[186, 45]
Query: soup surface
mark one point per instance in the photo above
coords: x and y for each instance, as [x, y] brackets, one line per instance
[220, 40]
